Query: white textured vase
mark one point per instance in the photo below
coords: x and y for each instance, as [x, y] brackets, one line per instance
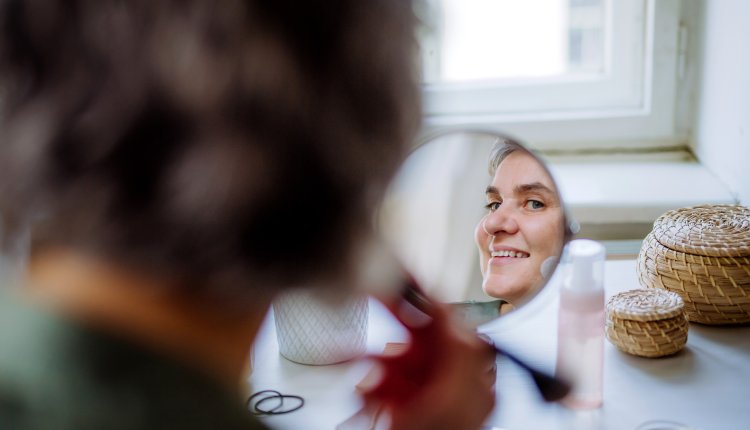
[311, 330]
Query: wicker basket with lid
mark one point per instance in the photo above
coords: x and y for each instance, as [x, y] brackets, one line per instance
[647, 322]
[703, 254]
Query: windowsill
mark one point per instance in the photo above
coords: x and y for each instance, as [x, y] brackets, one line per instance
[621, 199]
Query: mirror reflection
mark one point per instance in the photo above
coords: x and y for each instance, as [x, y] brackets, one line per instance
[477, 219]
[520, 238]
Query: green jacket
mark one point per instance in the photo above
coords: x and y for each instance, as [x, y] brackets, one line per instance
[58, 375]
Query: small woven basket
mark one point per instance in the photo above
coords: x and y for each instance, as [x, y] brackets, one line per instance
[703, 254]
[647, 322]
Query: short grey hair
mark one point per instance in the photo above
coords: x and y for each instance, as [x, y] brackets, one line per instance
[501, 149]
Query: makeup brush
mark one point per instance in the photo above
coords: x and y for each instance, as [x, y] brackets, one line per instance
[550, 387]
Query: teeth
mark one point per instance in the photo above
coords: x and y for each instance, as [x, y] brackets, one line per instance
[512, 254]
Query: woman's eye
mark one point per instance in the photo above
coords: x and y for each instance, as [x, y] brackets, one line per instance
[534, 205]
[492, 206]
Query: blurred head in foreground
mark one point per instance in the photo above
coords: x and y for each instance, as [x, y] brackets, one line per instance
[234, 147]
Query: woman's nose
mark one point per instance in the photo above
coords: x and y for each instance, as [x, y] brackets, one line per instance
[502, 220]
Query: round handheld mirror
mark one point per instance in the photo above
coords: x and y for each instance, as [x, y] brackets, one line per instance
[477, 218]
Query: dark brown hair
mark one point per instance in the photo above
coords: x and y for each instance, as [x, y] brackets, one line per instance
[234, 144]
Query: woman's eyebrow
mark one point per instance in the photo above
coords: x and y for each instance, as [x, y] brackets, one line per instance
[534, 186]
[522, 188]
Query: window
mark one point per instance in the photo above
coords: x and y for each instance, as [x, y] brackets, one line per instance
[559, 73]
[478, 40]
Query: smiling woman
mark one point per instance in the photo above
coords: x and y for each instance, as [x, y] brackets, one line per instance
[443, 212]
[521, 236]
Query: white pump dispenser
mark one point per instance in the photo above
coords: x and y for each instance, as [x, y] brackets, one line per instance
[580, 341]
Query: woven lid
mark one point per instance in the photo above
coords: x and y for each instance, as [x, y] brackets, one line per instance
[645, 305]
[709, 230]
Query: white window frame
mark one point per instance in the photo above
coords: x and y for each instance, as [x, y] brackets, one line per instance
[631, 107]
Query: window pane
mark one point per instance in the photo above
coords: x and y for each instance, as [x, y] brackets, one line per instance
[479, 40]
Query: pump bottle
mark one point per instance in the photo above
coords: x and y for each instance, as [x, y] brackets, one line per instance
[580, 339]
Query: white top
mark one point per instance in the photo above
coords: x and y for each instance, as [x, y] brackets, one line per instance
[706, 386]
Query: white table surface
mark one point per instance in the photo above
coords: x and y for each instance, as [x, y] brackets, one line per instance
[706, 386]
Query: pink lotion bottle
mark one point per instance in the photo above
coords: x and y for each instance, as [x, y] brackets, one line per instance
[580, 332]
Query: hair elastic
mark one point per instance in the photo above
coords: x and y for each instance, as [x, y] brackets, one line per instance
[255, 409]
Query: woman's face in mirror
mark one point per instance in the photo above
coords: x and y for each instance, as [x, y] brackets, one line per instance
[521, 235]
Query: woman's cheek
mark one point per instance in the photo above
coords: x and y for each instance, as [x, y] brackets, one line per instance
[479, 234]
[480, 239]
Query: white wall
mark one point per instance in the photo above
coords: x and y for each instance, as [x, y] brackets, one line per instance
[721, 136]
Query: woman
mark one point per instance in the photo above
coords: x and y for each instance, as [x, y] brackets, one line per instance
[521, 236]
[178, 164]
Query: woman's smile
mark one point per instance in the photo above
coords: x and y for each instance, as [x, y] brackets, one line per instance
[506, 255]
